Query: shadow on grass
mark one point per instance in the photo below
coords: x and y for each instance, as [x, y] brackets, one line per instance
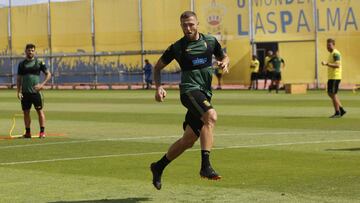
[345, 149]
[126, 200]
[301, 117]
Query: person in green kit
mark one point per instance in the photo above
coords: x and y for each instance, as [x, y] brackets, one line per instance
[194, 53]
[278, 63]
[29, 87]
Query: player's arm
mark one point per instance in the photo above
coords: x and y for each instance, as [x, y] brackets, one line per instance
[257, 66]
[332, 65]
[18, 86]
[336, 64]
[47, 73]
[252, 65]
[269, 63]
[221, 57]
[40, 86]
[223, 63]
[19, 82]
[264, 66]
[160, 92]
[47, 78]
[283, 63]
[164, 60]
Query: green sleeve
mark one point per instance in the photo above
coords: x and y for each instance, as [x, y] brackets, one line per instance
[20, 69]
[336, 57]
[43, 67]
[218, 52]
[168, 55]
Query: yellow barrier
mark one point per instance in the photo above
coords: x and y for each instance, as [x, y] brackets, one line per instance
[14, 124]
[295, 88]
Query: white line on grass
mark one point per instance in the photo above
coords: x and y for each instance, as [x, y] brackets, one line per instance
[153, 153]
[174, 136]
[89, 140]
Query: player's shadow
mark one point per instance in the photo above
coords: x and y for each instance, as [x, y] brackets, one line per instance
[345, 149]
[294, 118]
[299, 117]
[126, 200]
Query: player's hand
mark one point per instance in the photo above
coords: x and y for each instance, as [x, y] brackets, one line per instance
[38, 87]
[224, 66]
[160, 94]
[324, 63]
[19, 95]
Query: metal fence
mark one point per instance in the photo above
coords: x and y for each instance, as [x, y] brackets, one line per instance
[85, 63]
[84, 69]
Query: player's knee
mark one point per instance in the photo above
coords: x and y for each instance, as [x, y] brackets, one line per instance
[210, 117]
[26, 112]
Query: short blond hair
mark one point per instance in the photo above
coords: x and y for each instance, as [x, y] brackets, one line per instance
[187, 14]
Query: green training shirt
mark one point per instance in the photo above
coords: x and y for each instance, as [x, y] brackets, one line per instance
[276, 62]
[30, 70]
[194, 58]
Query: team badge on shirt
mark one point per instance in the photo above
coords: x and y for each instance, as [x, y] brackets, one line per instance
[207, 103]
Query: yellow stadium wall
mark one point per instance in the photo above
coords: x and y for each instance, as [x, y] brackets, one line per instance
[299, 61]
[345, 29]
[3, 31]
[281, 21]
[161, 26]
[161, 23]
[348, 47]
[29, 24]
[290, 23]
[122, 34]
[221, 18]
[71, 26]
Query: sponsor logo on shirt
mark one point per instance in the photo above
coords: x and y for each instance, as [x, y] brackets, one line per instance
[199, 61]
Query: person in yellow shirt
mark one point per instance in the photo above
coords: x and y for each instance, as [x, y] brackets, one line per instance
[334, 77]
[268, 69]
[254, 67]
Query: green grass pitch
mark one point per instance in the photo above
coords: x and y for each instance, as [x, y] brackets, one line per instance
[268, 148]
